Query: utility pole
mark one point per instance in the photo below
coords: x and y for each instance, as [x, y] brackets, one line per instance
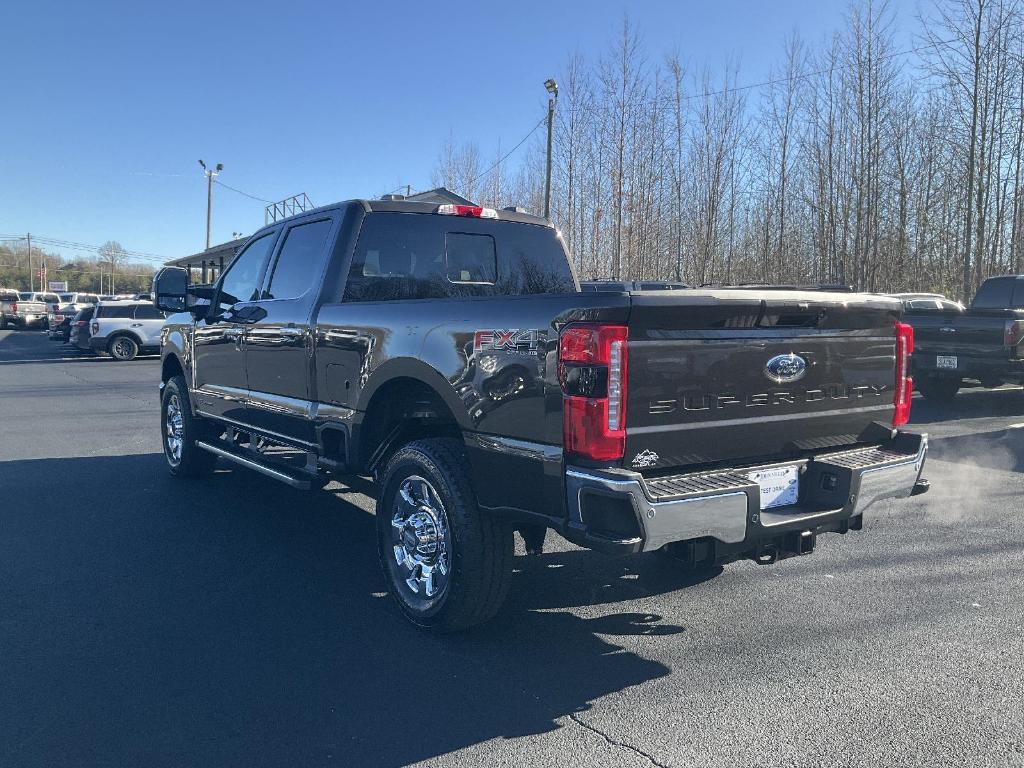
[552, 88]
[210, 175]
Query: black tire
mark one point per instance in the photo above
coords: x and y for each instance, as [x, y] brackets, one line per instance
[939, 389]
[476, 548]
[191, 460]
[123, 347]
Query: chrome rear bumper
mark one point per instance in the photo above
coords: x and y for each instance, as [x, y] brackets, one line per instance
[622, 510]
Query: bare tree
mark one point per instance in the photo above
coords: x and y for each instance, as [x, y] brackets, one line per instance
[110, 255]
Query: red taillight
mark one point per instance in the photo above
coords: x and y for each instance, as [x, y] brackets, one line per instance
[1013, 334]
[475, 211]
[592, 369]
[904, 384]
[80, 324]
[14, 306]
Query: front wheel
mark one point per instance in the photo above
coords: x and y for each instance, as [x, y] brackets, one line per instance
[447, 564]
[936, 388]
[180, 431]
[123, 348]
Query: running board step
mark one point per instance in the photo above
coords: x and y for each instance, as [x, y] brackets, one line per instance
[289, 478]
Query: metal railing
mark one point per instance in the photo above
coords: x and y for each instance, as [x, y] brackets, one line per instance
[287, 207]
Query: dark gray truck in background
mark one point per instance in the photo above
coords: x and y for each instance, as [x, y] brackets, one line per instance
[984, 342]
[448, 353]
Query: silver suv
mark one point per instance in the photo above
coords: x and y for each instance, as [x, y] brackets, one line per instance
[124, 329]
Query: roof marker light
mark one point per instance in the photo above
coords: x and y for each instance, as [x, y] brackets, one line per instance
[474, 211]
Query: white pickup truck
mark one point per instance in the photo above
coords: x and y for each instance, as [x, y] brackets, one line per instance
[20, 313]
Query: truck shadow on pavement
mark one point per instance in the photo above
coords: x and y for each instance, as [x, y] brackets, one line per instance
[233, 621]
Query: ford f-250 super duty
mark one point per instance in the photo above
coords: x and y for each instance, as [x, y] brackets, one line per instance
[448, 352]
[985, 342]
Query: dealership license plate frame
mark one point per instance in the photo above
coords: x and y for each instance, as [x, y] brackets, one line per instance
[780, 486]
[946, 362]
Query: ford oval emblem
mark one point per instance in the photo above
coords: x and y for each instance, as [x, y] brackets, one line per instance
[785, 369]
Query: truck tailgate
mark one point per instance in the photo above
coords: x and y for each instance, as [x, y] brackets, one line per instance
[733, 375]
[975, 333]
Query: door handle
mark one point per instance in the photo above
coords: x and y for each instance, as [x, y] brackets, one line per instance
[947, 330]
[292, 332]
[136, 325]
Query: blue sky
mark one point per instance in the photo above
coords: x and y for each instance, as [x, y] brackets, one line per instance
[108, 105]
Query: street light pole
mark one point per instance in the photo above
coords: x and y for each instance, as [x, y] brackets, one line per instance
[552, 88]
[210, 175]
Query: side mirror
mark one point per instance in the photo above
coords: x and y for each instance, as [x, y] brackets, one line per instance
[170, 289]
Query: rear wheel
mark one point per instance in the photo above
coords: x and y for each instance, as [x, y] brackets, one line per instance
[447, 564]
[180, 430]
[937, 388]
[123, 348]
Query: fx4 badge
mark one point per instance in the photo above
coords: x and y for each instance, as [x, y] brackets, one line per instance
[646, 458]
[508, 340]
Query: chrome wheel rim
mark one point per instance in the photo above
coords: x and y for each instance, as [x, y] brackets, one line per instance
[421, 540]
[122, 348]
[174, 429]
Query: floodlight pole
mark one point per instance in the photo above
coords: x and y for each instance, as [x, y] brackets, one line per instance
[210, 175]
[552, 88]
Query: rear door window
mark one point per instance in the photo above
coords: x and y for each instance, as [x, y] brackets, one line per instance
[299, 261]
[116, 311]
[148, 312]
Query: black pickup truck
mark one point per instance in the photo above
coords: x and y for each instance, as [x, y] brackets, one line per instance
[981, 343]
[448, 353]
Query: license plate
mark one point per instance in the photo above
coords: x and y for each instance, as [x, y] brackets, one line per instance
[780, 486]
[945, 361]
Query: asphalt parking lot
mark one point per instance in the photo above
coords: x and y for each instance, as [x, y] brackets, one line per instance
[153, 622]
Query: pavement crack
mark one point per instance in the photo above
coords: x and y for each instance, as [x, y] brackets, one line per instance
[615, 742]
[70, 375]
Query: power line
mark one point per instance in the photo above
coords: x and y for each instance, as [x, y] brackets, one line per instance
[246, 194]
[75, 246]
[505, 157]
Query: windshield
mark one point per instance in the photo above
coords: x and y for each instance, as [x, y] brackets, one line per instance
[66, 297]
[25, 296]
